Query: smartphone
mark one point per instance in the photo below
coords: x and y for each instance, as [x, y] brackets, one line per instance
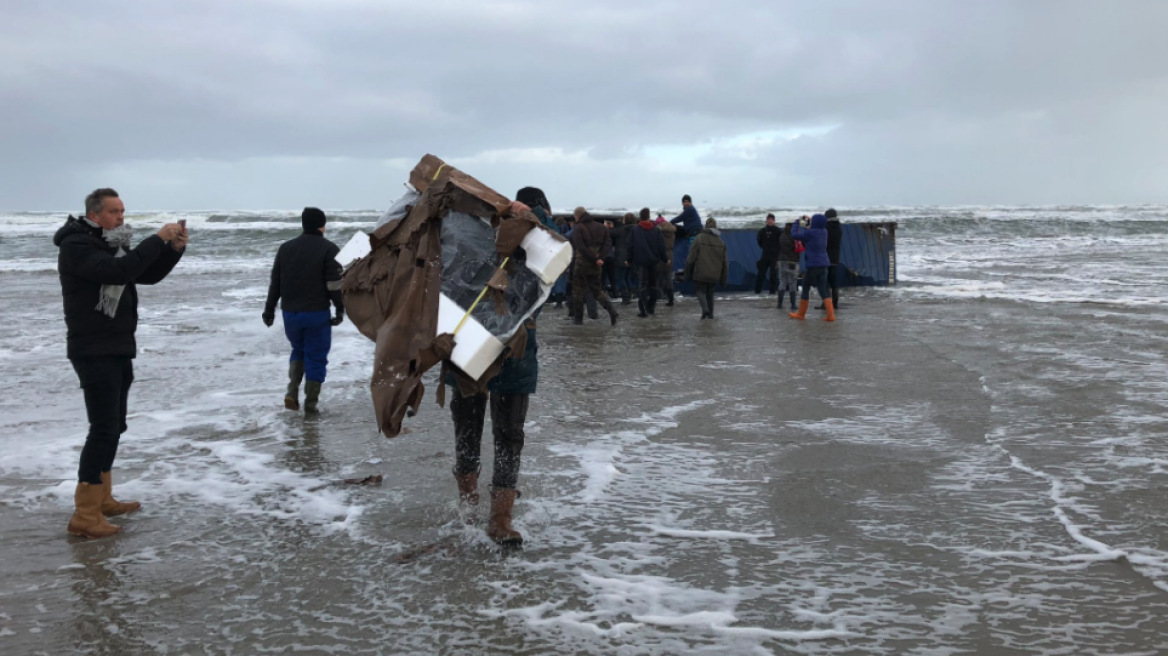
[183, 223]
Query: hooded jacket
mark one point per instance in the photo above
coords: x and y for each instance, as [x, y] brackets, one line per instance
[306, 276]
[835, 235]
[707, 261]
[787, 246]
[768, 240]
[814, 240]
[646, 245]
[85, 262]
[689, 219]
[590, 240]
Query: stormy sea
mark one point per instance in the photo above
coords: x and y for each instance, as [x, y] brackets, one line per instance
[973, 461]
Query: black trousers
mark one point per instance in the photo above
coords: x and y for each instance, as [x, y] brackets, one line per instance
[647, 288]
[106, 383]
[508, 413]
[765, 267]
[832, 284]
[815, 277]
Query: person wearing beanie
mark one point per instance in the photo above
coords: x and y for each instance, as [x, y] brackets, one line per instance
[768, 241]
[815, 258]
[707, 266]
[689, 219]
[306, 278]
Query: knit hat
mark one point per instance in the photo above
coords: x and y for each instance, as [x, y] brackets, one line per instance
[711, 223]
[830, 214]
[533, 197]
[312, 219]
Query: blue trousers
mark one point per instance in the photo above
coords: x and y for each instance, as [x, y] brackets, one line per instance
[311, 336]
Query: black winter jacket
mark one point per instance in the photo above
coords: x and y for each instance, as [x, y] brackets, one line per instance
[834, 235]
[306, 276]
[768, 240]
[787, 246]
[646, 245]
[86, 262]
[620, 243]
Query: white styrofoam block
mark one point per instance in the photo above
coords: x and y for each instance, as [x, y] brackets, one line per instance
[547, 256]
[474, 347]
[357, 248]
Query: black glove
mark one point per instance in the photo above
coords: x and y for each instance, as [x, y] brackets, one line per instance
[269, 318]
[336, 321]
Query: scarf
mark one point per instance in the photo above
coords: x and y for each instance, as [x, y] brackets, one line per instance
[111, 295]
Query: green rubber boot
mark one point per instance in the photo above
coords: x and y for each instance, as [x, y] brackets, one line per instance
[295, 375]
[311, 396]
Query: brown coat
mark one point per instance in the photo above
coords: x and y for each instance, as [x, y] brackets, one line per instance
[590, 240]
[669, 234]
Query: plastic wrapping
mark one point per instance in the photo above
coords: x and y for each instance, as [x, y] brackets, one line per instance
[469, 261]
[399, 209]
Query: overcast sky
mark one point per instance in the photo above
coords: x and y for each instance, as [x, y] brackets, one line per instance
[259, 105]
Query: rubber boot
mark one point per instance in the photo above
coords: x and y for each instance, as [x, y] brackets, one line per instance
[669, 303]
[802, 313]
[830, 307]
[835, 297]
[710, 302]
[468, 488]
[608, 306]
[641, 311]
[111, 507]
[793, 295]
[499, 526]
[576, 313]
[87, 520]
[311, 397]
[626, 297]
[295, 375]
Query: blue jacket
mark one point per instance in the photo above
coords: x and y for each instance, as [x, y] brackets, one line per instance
[690, 220]
[814, 240]
[646, 245]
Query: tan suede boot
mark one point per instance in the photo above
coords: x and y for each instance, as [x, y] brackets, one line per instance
[499, 526]
[110, 506]
[87, 520]
[468, 488]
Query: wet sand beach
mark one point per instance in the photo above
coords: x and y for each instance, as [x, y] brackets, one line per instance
[924, 476]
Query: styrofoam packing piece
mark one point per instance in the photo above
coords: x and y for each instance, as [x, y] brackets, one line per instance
[474, 347]
[547, 256]
[357, 248]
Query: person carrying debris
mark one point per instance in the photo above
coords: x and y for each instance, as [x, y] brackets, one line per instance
[305, 278]
[707, 266]
[507, 394]
[591, 244]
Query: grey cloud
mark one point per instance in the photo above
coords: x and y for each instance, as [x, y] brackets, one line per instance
[937, 101]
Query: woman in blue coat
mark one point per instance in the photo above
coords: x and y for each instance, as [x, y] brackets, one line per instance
[816, 263]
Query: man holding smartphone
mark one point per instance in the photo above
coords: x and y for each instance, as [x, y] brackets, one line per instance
[99, 273]
[306, 277]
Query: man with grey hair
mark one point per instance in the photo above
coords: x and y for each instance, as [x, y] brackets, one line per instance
[99, 274]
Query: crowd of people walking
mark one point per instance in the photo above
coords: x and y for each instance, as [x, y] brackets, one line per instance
[98, 263]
